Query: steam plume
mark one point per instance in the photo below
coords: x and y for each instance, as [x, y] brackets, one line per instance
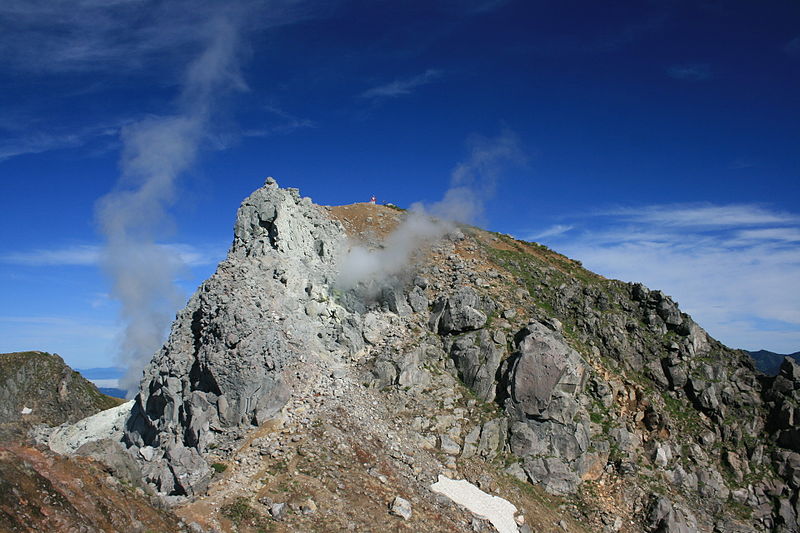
[472, 183]
[134, 216]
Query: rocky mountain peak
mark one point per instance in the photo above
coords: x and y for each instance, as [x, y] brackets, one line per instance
[479, 357]
[267, 306]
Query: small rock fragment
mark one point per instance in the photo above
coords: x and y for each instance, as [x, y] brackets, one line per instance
[278, 511]
[401, 507]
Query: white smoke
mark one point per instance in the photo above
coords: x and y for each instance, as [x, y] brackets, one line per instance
[156, 151]
[472, 183]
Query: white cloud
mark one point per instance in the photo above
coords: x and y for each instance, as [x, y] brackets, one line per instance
[705, 215]
[734, 268]
[770, 234]
[552, 231]
[286, 123]
[77, 255]
[119, 36]
[43, 141]
[690, 72]
[91, 255]
[402, 87]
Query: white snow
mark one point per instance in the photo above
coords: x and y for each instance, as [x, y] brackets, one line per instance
[105, 424]
[26, 410]
[498, 511]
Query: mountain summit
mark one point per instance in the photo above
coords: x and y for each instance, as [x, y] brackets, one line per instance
[322, 381]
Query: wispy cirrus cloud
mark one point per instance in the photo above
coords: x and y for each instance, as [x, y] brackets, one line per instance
[116, 42]
[402, 87]
[284, 123]
[40, 141]
[690, 72]
[91, 255]
[121, 36]
[704, 215]
[734, 268]
[552, 231]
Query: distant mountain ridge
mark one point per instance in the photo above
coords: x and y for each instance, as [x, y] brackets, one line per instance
[770, 362]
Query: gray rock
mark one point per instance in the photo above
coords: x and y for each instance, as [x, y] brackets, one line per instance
[471, 443]
[401, 507]
[493, 435]
[278, 511]
[790, 369]
[477, 359]
[385, 373]
[458, 313]
[111, 453]
[676, 374]
[543, 381]
[418, 300]
[546, 375]
[448, 446]
[552, 473]
[664, 518]
[396, 301]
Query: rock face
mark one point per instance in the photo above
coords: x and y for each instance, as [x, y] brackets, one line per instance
[39, 388]
[225, 364]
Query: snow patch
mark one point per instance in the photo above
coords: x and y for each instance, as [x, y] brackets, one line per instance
[26, 410]
[498, 511]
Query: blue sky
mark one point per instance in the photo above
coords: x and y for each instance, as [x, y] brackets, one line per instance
[654, 141]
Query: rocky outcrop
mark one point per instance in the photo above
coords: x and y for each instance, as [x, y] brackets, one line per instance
[226, 363]
[458, 312]
[477, 357]
[663, 517]
[782, 397]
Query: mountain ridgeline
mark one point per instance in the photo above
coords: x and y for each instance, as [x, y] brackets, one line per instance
[770, 362]
[591, 404]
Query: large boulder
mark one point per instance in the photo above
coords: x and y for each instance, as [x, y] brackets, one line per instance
[544, 379]
[458, 313]
[545, 376]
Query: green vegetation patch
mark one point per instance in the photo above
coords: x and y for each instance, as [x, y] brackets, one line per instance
[241, 513]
